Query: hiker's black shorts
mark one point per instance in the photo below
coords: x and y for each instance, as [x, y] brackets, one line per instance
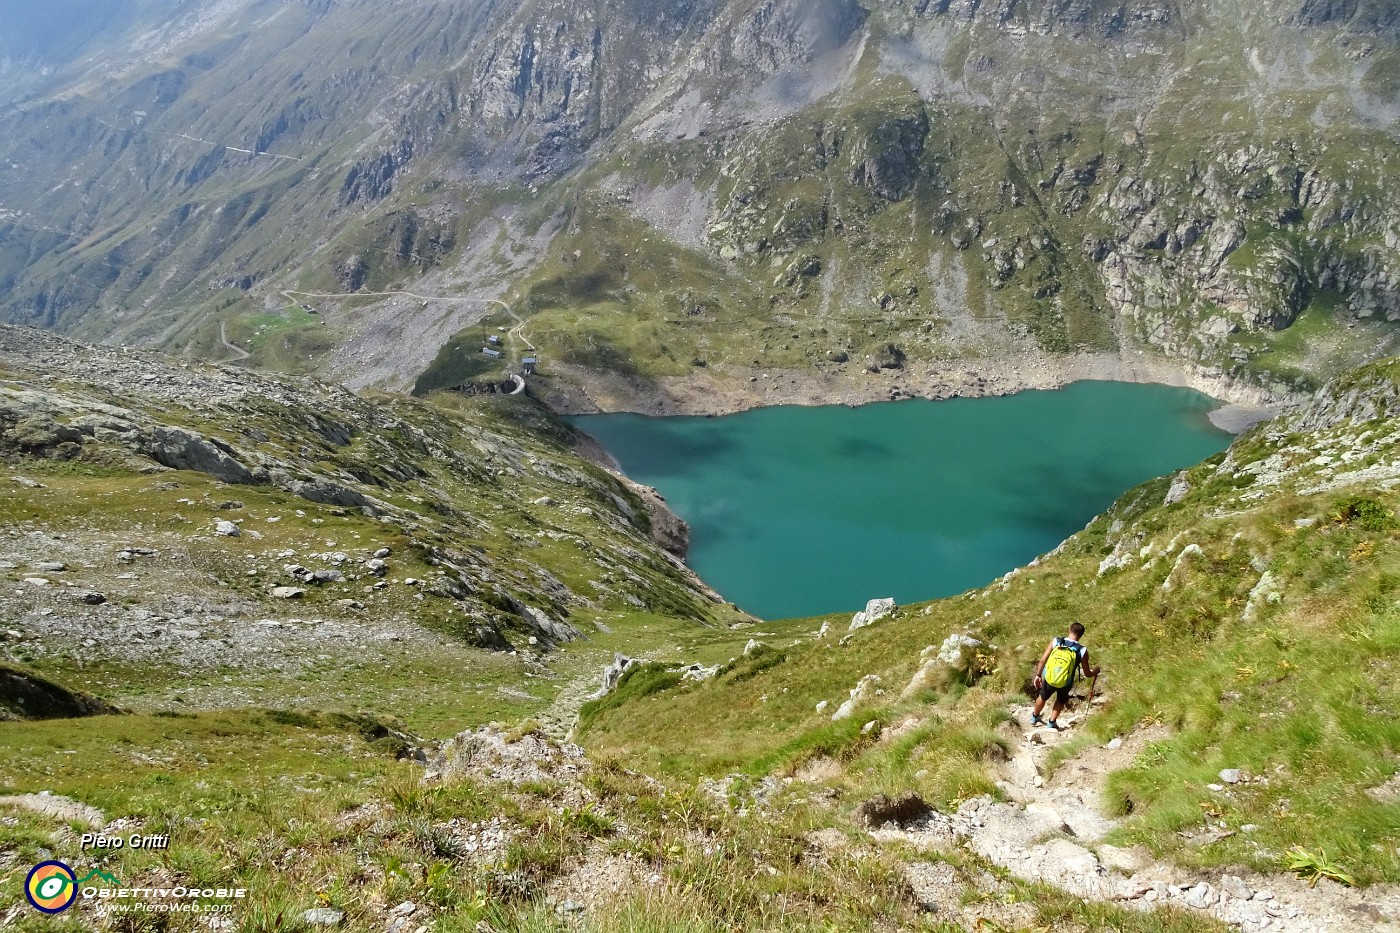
[1061, 694]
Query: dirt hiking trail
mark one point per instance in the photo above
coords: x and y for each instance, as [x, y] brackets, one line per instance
[1052, 830]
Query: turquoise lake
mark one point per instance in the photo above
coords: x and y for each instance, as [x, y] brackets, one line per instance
[798, 511]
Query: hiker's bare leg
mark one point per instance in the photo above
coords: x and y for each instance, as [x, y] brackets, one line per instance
[1039, 705]
[1059, 708]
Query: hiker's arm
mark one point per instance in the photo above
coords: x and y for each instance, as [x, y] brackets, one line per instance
[1089, 670]
[1040, 665]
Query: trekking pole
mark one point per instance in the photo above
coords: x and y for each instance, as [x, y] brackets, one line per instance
[1093, 682]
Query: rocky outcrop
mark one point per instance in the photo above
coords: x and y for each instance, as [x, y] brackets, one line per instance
[1057, 17]
[874, 611]
[954, 661]
[550, 632]
[778, 34]
[1368, 394]
[179, 449]
[438, 480]
[889, 158]
[371, 178]
[1362, 16]
[620, 665]
[862, 693]
[495, 757]
[26, 695]
[668, 529]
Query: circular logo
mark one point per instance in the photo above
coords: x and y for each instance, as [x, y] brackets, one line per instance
[51, 887]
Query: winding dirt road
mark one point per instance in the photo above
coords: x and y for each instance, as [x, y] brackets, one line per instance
[240, 354]
[516, 333]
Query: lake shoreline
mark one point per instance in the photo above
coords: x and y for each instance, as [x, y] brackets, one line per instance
[804, 510]
[723, 390]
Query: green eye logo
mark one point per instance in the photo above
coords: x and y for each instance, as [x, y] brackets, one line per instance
[51, 887]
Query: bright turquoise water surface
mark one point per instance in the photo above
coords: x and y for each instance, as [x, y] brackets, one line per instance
[798, 511]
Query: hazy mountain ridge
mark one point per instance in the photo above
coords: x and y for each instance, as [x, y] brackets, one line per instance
[951, 180]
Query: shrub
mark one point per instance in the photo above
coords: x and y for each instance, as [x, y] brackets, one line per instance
[1365, 512]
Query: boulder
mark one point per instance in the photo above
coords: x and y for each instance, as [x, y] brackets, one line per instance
[874, 611]
[1202, 897]
[1188, 552]
[959, 651]
[1179, 488]
[699, 672]
[227, 529]
[326, 492]
[491, 756]
[288, 592]
[548, 630]
[179, 449]
[864, 691]
[955, 659]
[323, 916]
[1266, 592]
[620, 665]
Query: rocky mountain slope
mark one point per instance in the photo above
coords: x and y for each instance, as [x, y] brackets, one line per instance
[691, 194]
[228, 536]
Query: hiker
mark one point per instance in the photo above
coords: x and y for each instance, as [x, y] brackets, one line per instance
[1055, 672]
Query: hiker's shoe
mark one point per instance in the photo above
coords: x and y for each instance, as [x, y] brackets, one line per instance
[1036, 720]
[1053, 724]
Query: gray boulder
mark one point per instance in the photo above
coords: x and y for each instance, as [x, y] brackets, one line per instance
[548, 630]
[620, 665]
[326, 492]
[323, 916]
[953, 660]
[874, 611]
[184, 450]
[1181, 485]
[958, 651]
[867, 689]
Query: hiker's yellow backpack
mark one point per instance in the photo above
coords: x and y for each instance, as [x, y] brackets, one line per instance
[1061, 665]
